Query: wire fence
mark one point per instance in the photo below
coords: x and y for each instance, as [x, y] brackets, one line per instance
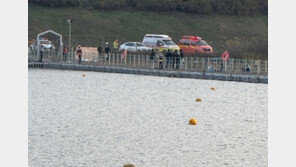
[144, 61]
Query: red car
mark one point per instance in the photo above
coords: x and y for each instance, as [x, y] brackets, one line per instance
[194, 45]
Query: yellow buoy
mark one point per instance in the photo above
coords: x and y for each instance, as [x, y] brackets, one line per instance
[83, 75]
[198, 99]
[129, 165]
[192, 121]
[212, 88]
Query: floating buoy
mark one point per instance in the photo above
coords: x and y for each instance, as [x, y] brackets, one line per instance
[212, 88]
[192, 121]
[198, 99]
[129, 165]
[83, 75]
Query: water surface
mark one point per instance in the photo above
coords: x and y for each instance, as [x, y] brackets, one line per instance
[106, 119]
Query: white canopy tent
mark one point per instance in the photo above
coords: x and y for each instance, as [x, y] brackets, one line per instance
[45, 32]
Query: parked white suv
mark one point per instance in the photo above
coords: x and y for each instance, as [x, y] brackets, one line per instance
[134, 47]
[160, 42]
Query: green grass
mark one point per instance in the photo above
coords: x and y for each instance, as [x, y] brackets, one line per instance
[243, 37]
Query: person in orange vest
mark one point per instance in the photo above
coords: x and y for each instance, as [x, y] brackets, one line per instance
[79, 53]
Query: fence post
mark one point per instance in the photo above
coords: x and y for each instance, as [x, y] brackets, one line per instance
[112, 56]
[208, 63]
[232, 64]
[109, 59]
[239, 65]
[142, 63]
[191, 63]
[130, 60]
[134, 61]
[139, 61]
[258, 67]
[266, 68]
[186, 63]
[203, 63]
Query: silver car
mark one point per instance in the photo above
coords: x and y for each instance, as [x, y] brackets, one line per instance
[134, 47]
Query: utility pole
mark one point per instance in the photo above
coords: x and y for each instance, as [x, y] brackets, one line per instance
[69, 50]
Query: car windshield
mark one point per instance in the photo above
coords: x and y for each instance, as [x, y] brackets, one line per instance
[140, 44]
[168, 42]
[202, 42]
[129, 44]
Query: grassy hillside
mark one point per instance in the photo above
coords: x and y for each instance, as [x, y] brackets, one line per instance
[243, 37]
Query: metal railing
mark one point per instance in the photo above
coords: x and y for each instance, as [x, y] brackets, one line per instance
[143, 61]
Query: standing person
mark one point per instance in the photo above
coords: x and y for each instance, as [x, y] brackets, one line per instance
[107, 50]
[65, 51]
[225, 58]
[79, 53]
[152, 55]
[160, 60]
[178, 61]
[181, 58]
[99, 51]
[41, 53]
[175, 55]
[115, 45]
[168, 56]
[123, 55]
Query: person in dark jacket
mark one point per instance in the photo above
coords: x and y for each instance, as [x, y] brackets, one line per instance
[152, 55]
[65, 52]
[175, 55]
[168, 56]
[181, 58]
[107, 50]
[178, 60]
[42, 50]
[100, 49]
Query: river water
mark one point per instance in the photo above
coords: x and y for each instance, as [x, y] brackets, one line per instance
[105, 119]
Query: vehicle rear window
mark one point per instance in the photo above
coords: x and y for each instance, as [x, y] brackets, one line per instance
[168, 42]
[202, 42]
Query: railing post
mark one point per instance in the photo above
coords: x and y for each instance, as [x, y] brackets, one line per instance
[191, 64]
[203, 63]
[258, 67]
[139, 60]
[109, 59]
[112, 56]
[232, 65]
[208, 63]
[239, 65]
[142, 61]
[134, 60]
[146, 61]
[186, 65]
[130, 61]
[266, 67]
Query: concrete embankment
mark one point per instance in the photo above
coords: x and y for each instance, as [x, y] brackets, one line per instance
[178, 74]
